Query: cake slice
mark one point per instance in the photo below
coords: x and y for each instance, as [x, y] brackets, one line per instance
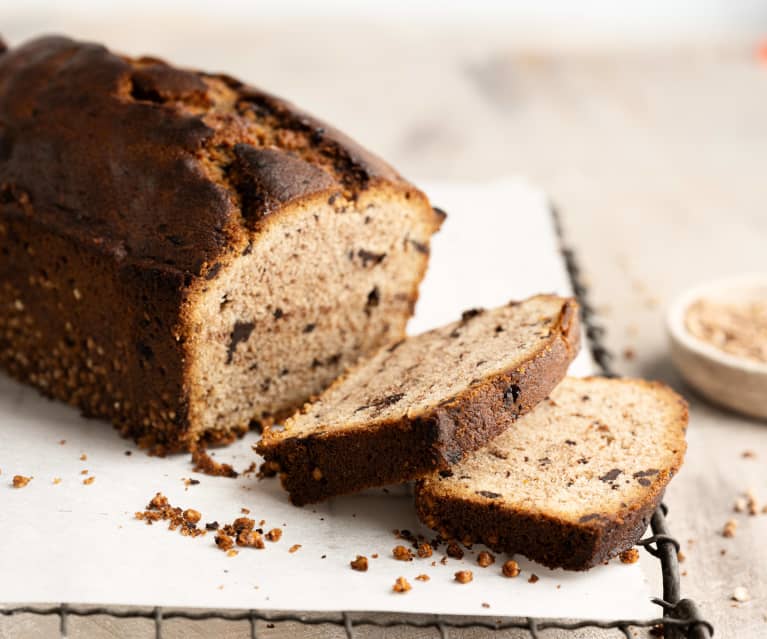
[574, 483]
[422, 403]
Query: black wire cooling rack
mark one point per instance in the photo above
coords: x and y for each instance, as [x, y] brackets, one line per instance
[679, 618]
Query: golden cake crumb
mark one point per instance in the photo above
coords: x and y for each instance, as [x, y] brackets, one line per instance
[245, 511]
[84, 471]
[223, 541]
[250, 539]
[533, 579]
[630, 556]
[401, 585]
[360, 563]
[89, 480]
[83, 457]
[423, 577]
[19, 481]
[402, 554]
[729, 528]
[464, 576]
[57, 480]
[294, 548]
[191, 515]
[484, 559]
[275, 534]
[424, 550]
[680, 557]
[232, 553]
[510, 568]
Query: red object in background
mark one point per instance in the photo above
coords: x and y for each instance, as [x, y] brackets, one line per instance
[761, 52]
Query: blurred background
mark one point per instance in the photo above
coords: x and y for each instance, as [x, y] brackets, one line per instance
[646, 123]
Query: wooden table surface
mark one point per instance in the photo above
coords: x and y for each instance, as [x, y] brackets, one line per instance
[656, 158]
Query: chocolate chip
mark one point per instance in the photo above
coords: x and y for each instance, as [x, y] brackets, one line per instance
[374, 297]
[643, 481]
[418, 246]
[499, 329]
[489, 494]
[368, 256]
[213, 271]
[278, 313]
[611, 475]
[389, 400]
[570, 442]
[471, 313]
[240, 333]
[645, 473]
[511, 394]
[309, 328]
[589, 517]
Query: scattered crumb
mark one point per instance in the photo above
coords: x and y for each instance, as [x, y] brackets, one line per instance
[275, 534]
[680, 556]
[402, 554]
[62, 442]
[245, 511]
[158, 509]
[484, 559]
[223, 541]
[424, 550]
[128, 453]
[485, 605]
[454, 550]
[57, 480]
[740, 594]
[360, 563]
[629, 353]
[401, 585]
[533, 579]
[19, 481]
[294, 548]
[740, 505]
[374, 555]
[464, 576]
[729, 528]
[251, 470]
[249, 539]
[190, 482]
[748, 454]
[89, 480]
[191, 515]
[84, 471]
[232, 553]
[443, 561]
[83, 457]
[630, 556]
[752, 503]
[423, 577]
[510, 568]
[204, 463]
[723, 552]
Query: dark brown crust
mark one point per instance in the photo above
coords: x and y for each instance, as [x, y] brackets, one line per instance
[114, 187]
[393, 452]
[549, 540]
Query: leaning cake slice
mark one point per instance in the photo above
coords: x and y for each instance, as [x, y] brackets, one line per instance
[574, 483]
[422, 403]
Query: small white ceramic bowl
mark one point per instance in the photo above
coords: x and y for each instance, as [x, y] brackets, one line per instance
[734, 382]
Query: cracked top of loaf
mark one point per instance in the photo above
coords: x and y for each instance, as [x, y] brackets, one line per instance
[188, 164]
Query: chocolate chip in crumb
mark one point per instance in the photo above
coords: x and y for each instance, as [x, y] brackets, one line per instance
[275, 534]
[454, 550]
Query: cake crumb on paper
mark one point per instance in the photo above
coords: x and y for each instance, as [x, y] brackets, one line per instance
[19, 481]
[630, 556]
[510, 569]
[401, 585]
[464, 576]
[359, 564]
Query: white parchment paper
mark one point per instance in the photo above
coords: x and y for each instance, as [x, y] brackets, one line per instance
[77, 543]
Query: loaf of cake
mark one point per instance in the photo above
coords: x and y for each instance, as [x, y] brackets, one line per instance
[422, 403]
[576, 480]
[183, 254]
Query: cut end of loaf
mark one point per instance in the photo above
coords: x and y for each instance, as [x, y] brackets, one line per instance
[574, 483]
[312, 291]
